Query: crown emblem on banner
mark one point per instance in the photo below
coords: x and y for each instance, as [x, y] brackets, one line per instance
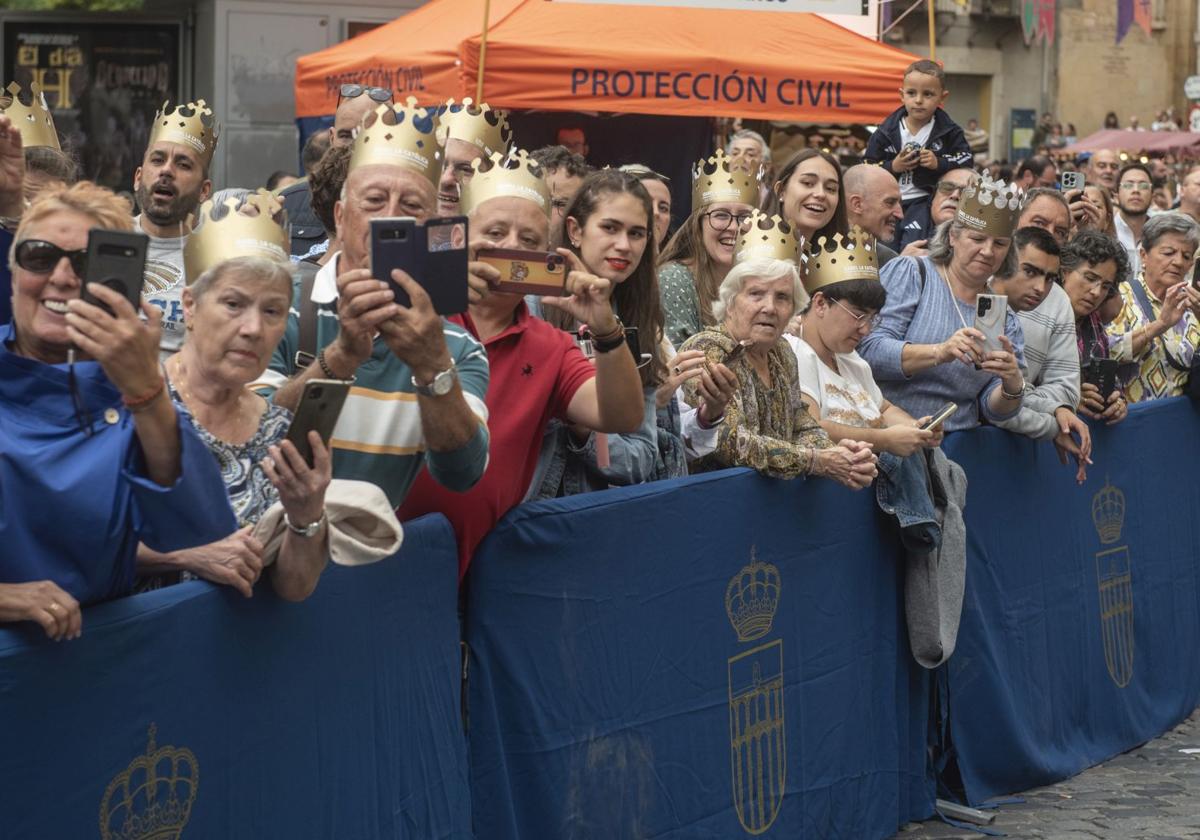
[834, 259]
[499, 175]
[767, 238]
[152, 799]
[479, 125]
[191, 125]
[34, 121]
[713, 180]
[221, 236]
[751, 599]
[990, 207]
[399, 135]
[1108, 513]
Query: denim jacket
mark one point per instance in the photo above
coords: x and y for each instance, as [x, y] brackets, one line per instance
[654, 452]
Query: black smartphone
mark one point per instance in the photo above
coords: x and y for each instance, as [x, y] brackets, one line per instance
[1103, 374]
[319, 409]
[433, 254]
[116, 259]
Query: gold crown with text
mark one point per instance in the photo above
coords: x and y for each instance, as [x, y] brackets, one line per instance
[255, 228]
[1108, 513]
[191, 125]
[990, 207]
[479, 125]
[399, 135]
[505, 175]
[34, 121]
[152, 798]
[837, 258]
[767, 238]
[713, 180]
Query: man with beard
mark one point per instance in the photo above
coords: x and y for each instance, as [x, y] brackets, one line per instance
[1134, 186]
[1051, 355]
[170, 184]
[468, 132]
[305, 229]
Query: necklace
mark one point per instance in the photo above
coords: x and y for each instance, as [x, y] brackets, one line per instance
[235, 427]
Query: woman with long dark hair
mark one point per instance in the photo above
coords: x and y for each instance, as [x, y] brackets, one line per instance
[809, 195]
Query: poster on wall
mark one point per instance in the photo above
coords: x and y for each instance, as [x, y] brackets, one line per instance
[103, 83]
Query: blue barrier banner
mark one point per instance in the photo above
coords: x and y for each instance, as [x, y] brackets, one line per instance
[714, 657]
[193, 709]
[1081, 620]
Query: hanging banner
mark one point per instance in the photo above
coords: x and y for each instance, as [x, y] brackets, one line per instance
[103, 83]
[822, 7]
[1130, 12]
[1037, 21]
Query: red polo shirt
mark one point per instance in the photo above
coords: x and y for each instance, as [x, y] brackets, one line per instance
[534, 371]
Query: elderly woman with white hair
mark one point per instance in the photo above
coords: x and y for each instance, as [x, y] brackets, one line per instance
[767, 425]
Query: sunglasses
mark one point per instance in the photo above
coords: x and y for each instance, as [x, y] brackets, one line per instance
[377, 93]
[40, 257]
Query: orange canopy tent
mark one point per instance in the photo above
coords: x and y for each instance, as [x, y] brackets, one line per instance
[617, 58]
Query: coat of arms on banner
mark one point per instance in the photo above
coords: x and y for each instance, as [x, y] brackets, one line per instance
[1114, 581]
[757, 745]
[152, 798]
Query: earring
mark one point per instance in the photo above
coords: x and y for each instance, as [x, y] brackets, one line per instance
[189, 326]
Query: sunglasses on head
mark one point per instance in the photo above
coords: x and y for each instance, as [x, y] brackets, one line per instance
[40, 257]
[377, 93]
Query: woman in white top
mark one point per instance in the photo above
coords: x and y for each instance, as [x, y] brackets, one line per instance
[833, 377]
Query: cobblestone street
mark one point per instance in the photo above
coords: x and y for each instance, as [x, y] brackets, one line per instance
[1151, 793]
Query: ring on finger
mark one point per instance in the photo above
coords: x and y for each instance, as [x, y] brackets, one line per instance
[53, 606]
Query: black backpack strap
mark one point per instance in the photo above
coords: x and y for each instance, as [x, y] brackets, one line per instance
[306, 352]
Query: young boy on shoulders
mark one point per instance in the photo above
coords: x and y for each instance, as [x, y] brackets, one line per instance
[919, 141]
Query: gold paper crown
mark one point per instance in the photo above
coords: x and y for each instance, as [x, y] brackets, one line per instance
[990, 207]
[1108, 513]
[767, 238]
[833, 259]
[34, 120]
[152, 799]
[478, 125]
[191, 125]
[407, 138]
[713, 181]
[498, 175]
[222, 237]
[751, 599]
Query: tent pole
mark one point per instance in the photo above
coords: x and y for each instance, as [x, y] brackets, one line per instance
[929, 4]
[487, 5]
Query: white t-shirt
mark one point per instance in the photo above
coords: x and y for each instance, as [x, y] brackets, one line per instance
[163, 286]
[848, 395]
[907, 189]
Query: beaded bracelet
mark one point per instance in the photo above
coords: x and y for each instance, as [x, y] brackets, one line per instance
[141, 403]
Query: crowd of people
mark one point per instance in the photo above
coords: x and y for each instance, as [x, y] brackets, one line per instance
[821, 322]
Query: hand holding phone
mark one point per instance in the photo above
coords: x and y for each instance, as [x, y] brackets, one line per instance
[990, 315]
[116, 259]
[319, 409]
[940, 417]
[526, 272]
[433, 254]
[1103, 374]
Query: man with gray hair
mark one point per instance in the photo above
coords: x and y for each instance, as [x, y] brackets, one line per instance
[747, 150]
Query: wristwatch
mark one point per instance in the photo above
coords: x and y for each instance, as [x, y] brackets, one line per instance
[309, 530]
[441, 384]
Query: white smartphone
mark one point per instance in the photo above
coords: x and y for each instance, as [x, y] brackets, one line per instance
[990, 312]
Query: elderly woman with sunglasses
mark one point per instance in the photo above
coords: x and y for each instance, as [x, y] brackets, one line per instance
[93, 456]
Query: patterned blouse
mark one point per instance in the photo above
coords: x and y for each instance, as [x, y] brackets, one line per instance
[680, 303]
[250, 491]
[766, 427]
[1163, 367]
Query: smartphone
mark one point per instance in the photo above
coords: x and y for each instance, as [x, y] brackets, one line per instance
[527, 272]
[990, 312]
[942, 415]
[1103, 374]
[911, 148]
[1071, 181]
[433, 254]
[319, 409]
[736, 353]
[116, 259]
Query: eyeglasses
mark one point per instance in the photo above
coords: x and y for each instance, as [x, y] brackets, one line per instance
[352, 91]
[948, 187]
[1134, 185]
[870, 320]
[40, 257]
[720, 220]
